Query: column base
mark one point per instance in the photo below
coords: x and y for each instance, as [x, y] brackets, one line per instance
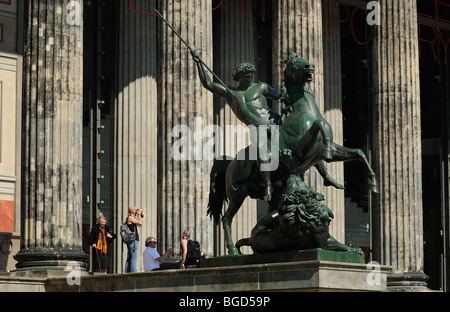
[45, 259]
[407, 281]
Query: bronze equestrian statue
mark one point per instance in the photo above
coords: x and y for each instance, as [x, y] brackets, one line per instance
[305, 140]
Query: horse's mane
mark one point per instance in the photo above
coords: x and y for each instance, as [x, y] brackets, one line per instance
[284, 100]
[286, 105]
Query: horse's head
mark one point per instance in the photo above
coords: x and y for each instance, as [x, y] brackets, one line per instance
[298, 70]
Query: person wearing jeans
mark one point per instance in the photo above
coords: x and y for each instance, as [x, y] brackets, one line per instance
[132, 256]
[134, 220]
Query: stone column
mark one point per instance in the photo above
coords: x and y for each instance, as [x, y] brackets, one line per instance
[234, 43]
[397, 212]
[136, 120]
[333, 114]
[298, 28]
[186, 107]
[52, 139]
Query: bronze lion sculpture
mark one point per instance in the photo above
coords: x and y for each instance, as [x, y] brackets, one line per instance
[300, 223]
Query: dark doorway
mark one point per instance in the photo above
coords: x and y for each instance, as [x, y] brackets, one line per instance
[98, 78]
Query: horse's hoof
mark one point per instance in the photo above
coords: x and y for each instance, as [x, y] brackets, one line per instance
[373, 186]
[233, 251]
[268, 196]
[333, 183]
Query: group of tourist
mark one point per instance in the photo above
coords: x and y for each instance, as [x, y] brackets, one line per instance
[101, 234]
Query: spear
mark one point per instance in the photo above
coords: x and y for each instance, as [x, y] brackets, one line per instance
[190, 49]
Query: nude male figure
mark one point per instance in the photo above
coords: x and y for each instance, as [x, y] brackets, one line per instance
[248, 101]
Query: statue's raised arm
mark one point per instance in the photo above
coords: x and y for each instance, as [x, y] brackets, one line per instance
[215, 87]
[248, 102]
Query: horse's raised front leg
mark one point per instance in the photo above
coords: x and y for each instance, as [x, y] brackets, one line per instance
[327, 135]
[233, 207]
[341, 153]
[307, 143]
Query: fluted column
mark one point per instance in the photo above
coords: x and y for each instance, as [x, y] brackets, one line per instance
[183, 185]
[333, 114]
[234, 43]
[298, 28]
[136, 110]
[52, 139]
[397, 215]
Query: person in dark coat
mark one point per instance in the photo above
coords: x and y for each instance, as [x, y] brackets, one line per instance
[101, 234]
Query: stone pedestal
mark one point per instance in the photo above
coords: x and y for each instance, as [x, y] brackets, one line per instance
[307, 276]
[290, 256]
[52, 139]
[397, 212]
[308, 271]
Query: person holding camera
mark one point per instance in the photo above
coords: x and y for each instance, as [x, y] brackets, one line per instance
[134, 220]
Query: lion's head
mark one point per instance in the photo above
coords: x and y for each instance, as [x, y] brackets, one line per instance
[300, 212]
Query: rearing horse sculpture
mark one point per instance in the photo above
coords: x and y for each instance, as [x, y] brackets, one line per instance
[304, 130]
[305, 140]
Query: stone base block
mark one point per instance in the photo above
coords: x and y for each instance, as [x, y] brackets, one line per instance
[312, 270]
[290, 256]
[289, 276]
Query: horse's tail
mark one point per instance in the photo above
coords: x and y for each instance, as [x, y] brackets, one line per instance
[217, 191]
[243, 242]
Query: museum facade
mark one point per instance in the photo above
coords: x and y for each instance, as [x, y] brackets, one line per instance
[92, 92]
